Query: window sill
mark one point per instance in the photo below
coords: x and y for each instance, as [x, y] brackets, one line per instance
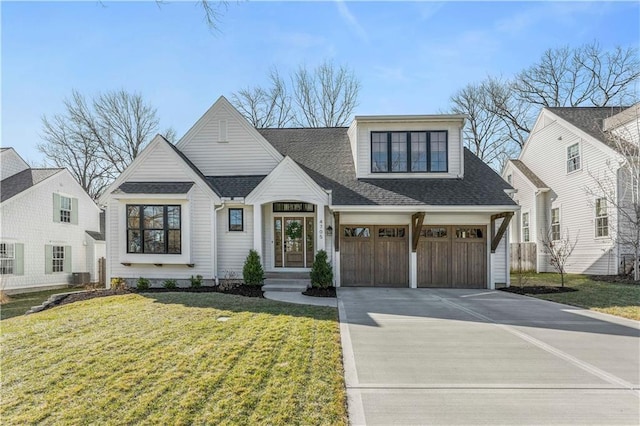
[573, 172]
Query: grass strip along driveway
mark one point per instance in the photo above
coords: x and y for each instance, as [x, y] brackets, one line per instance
[613, 298]
[173, 358]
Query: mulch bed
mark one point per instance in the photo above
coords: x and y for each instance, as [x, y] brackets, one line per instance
[538, 289]
[241, 290]
[320, 292]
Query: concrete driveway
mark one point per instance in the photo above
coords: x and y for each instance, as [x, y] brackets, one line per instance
[424, 356]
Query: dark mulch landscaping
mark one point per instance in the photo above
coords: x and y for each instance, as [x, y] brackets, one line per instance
[320, 292]
[624, 279]
[240, 290]
[538, 289]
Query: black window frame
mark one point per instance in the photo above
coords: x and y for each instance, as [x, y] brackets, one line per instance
[165, 228]
[408, 151]
[241, 210]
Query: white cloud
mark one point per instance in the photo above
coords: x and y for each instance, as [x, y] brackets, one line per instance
[351, 20]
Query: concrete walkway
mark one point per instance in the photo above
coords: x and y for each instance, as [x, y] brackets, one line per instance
[301, 299]
[474, 357]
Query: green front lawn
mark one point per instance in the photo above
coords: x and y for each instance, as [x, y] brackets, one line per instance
[612, 298]
[166, 358]
[21, 303]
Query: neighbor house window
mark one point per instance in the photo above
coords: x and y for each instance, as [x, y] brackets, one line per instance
[555, 224]
[65, 209]
[7, 258]
[509, 179]
[525, 227]
[236, 220]
[154, 229]
[58, 259]
[411, 152]
[602, 218]
[573, 158]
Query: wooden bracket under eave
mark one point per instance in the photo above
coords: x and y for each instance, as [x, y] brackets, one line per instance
[417, 219]
[503, 227]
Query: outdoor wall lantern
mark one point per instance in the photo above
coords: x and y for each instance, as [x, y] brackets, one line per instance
[329, 231]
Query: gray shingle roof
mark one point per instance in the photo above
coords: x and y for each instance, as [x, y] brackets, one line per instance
[325, 154]
[528, 173]
[155, 187]
[98, 236]
[589, 119]
[14, 185]
[234, 186]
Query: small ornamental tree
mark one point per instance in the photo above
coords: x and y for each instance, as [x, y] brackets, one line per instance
[252, 272]
[558, 251]
[321, 271]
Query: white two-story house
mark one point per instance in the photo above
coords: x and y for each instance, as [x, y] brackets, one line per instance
[49, 227]
[394, 200]
[561, 178]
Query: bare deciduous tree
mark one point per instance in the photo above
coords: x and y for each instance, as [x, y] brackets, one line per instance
[619, 183]
[322, 97]
[559, 251]
[97, 139]
[266, 107]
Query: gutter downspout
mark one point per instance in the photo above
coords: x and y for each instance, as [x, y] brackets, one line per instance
[214, 242]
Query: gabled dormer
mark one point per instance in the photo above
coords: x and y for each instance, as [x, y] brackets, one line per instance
[407, 146]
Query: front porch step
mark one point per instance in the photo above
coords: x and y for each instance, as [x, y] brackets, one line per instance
[287, 275]
[286, 284]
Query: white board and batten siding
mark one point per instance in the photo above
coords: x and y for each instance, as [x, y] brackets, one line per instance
[499, 259]
[27, 219]
[362, 131]
[223, 143]
[546, 155]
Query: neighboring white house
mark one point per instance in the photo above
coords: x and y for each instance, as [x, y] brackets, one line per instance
[555, 179]
[49, 229]
[394, 200]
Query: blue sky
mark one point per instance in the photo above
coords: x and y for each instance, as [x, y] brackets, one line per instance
[409, 56]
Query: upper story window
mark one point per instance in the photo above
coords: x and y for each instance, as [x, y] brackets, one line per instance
[509, 179]
[573, 157]
[602, 218]
[525, 227]
[154, 229]
[65, 209]
[236, 220]
[409, 152]
[555, 224]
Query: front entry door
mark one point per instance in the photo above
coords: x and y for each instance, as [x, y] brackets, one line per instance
[293, 242]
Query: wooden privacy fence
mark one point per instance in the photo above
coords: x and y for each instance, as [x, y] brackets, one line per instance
[523, 257]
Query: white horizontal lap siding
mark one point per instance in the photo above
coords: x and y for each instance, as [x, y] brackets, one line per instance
[196, 238]
[233, 246]
[27, 219]
[546, 156]
[499, 258]
[525, 197]
[240, 154]
[629, 131]
[160, 165]
[364, 148]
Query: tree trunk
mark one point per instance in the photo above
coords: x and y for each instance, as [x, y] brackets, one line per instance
[636, 273]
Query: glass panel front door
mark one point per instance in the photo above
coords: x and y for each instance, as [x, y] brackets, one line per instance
[293, 242]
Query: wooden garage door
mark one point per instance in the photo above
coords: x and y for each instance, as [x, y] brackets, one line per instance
[374, 256]
[452, 256]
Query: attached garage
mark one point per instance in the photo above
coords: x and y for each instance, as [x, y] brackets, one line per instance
[452, 256]
[374, 255]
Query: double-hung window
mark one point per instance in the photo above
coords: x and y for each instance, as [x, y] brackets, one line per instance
[409, 152]
[573, 157]
[65, 209]
[525, 227]
[58, 259]
[602, 218]
[7, 258]
[555, 224]
[154, 229]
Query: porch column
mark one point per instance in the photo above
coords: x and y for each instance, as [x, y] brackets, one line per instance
[321, 227]
[257, 229]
